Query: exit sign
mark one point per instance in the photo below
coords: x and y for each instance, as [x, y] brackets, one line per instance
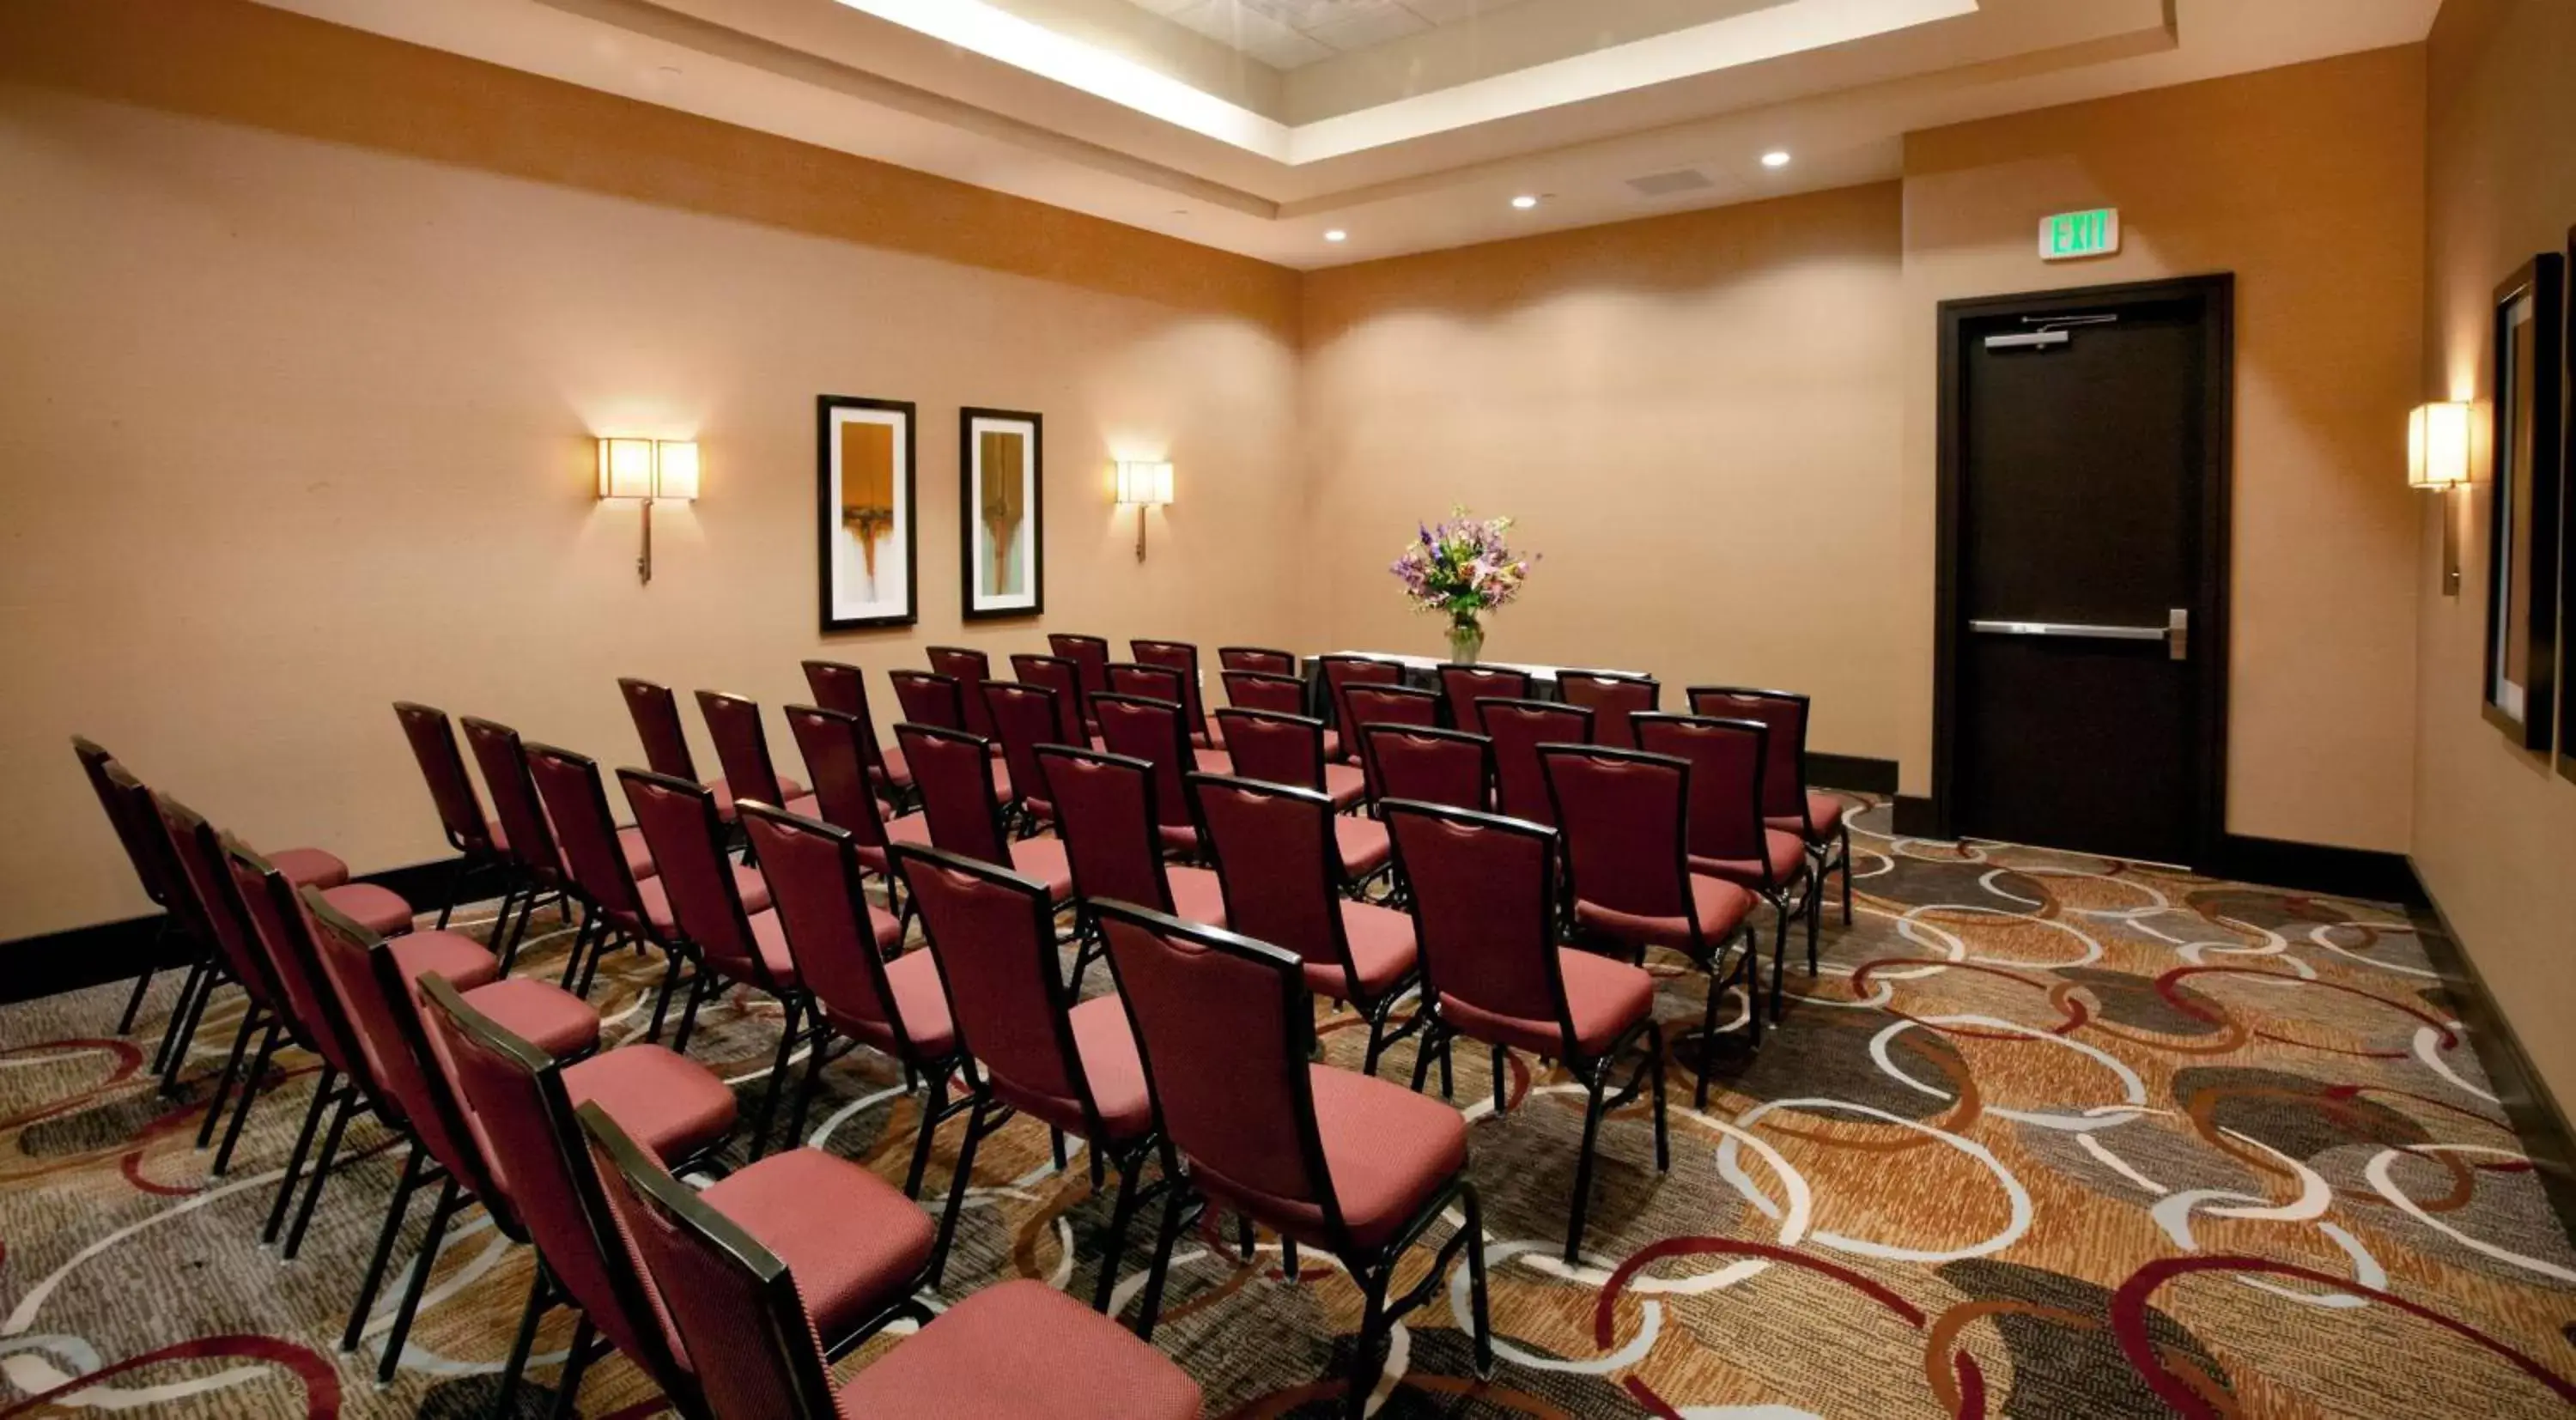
[2069, 235]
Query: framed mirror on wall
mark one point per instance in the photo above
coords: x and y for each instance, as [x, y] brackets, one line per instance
[2527, 446]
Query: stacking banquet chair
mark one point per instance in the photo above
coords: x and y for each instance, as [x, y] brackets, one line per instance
[1727, 833]
[843, 689]
[970, 669]
[929, 698]
[480, 841]
[1612, 699]
[858, 997]
[1427, 765]
[1483, 890]
[1151, 729]
[1340, 674]
[1788, 804]
[1109, 816]
[1370, 704]
[1146, 682]
[1182, 659]
[1289, 749]
[656, 713]
[1026, 717]
[1623, 813]
[1065, 679]
[1325, 1157]
[965, 812]
[1090, 657]
[1271, 694]
[742, 747]
[1463, 686]
[831, 743]
[861, 1256]
[1518, 728]
[94, 761]
[1036, 1047]
[1018, 1351]
[1276, 855]
[1259, 659]
[527, 840]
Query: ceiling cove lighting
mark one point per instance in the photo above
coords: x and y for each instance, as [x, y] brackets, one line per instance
[1776, 159]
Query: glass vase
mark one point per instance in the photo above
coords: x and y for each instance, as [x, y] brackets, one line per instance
[1466, 641]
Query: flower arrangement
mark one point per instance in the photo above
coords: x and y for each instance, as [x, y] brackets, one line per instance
[1463, 568]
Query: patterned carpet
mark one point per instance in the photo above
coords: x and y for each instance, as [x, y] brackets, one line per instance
[2049, 1136]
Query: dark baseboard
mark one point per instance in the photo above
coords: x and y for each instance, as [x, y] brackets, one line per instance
[80, 957]
[1858, 773]
[1916, 817]
[2538, 1121]
[2316, 867]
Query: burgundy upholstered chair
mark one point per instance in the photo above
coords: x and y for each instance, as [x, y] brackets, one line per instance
[1289, 749]
[1463, 686]
[1090, 657]
[1611, 699]
[656, 713]
[1623, 814]
[1372, 704]
[1729, 837]
[1065, 679]
[1483, 891]
[742, 747]
[1017, 1351]
[929, 699]
[1325, 1157]
[831, 742]
[479, 841]
[843, 689]
[244, 960]
[1788, 803]
[527, 841]
[1038, 1048]
[1181, 658]
[1263, 691]
[965, 811]
[970, 668]
[1432, 766]
[1340, 674]
[1139, 681]
[1259, 659]
[621, 906]
[1275, 852]
[1025, 717]
[1108, 814]
[1518, 728]
[1153, 730]
[841, 941]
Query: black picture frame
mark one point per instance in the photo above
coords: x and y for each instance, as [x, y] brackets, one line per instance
[973, 603]
[2567, 525]
[2525, 457]
[830, 534]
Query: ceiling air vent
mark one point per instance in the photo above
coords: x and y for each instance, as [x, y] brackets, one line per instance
[1666, 184]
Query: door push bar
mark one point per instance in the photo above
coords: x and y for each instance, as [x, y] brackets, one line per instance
[2175, 633]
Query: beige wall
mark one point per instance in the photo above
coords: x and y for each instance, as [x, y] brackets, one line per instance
[306, 335]
[2307, 183]
[2495, 831]
[1694, 419]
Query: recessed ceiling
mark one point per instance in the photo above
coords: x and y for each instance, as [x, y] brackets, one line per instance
[1291, 34]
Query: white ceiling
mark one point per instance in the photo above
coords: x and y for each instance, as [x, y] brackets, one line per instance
[1131, 110]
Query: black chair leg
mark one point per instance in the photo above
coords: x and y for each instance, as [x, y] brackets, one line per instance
[183, 1033]
[957, 1185]
[807, 1087]
[1502, 1072]
[322, 1163]
[1150, 1311]
[1479, 1313]
[178, 1015]
[450, 1202]
[232, 1070]
[931, 1109]
[1814, 909]
[1708, 1032]
[395, 1209]
[662, 999]
[1655, 1072]
[249, 1092]
[1847, 873]
[325, 1093]
[700, 988]
[143, 983]
[526, 1341]
[1121, 1218]
[455, 889]
[1594, 1096]
[568, 1388]
[1377, 1036]
[787, 1033]
[1779, 950]
[1423, 1046]
[1364, 1362]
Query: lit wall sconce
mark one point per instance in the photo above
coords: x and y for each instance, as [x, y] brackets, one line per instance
[648, 469]
[1143, 485]
[2437, 457]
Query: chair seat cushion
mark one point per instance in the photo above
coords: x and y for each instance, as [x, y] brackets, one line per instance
[673, 1105]
[1109, 1061]
[1177, 837]
[919, 998]
[310, 867]
[893, 772]
[1387, 1149]
[724, 794]
[657, 902]
[1214, 761]
[1092, 1368]
[852, 1240]
[1364, 845]
[1382, 948]
[464, 962]
[1344, 784]
[1044, 859]
[1333, 746]
[639, 854]
[1823, 810]
[1605, 998]
[539, 1012]
[1787, 852]
[911, 828]
[1198, 895]
[379, 910]
[1721, 905]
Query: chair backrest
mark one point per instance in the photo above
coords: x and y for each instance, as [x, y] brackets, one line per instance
[1260, 659]
[1727, 758]
[1275, 748]
[1784, 714]
[750, 1345]
[1104, 809]
[1226, 1028]
[1181, 658]
[1024, 717]
[1343, 672]
[1277, 861]
[504, 763]
[207, 879]
[1433, 766]
[152, 838]
[844, 689]
[1611, 699]
[1483, 894]
[1622, 813]
[1090, 657]
[277, 919]
[1260, 690]
[815, 884]
[687, 837]
[992, 932]
[953, 773]
[1465, 685]
[970, 668]
[1065, 679]
[929, 699]
[1149, 683]
[95, 763]
[742, 746]
[831, 743]
[1372, 704]
[585, 828]
[442, 767]
[1518, 728]
[1151, 729]
[656, 713]
[515, 1100]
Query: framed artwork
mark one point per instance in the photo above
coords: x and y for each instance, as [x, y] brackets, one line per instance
[2567, 527]
[1002, 512]
[867, 560]
[2523, 497]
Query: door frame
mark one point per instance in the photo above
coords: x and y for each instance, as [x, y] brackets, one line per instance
[2217, 293]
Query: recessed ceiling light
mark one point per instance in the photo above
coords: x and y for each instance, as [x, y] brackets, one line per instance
[1776, 158]
[1525, 202]
[1337, 235]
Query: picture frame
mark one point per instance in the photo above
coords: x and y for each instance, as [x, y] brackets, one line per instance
[867, 538]
[2526, 450]
[1001, 513]
[2567, 526]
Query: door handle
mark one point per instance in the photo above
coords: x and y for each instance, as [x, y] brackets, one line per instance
[2071, 629]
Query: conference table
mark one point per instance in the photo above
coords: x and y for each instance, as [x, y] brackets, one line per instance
[1423, 673]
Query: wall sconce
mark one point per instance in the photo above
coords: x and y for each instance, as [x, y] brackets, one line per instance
[648, 469]
[2437, 457]
[1143, 485]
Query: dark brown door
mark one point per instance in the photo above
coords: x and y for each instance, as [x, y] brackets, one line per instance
[2084, 555]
